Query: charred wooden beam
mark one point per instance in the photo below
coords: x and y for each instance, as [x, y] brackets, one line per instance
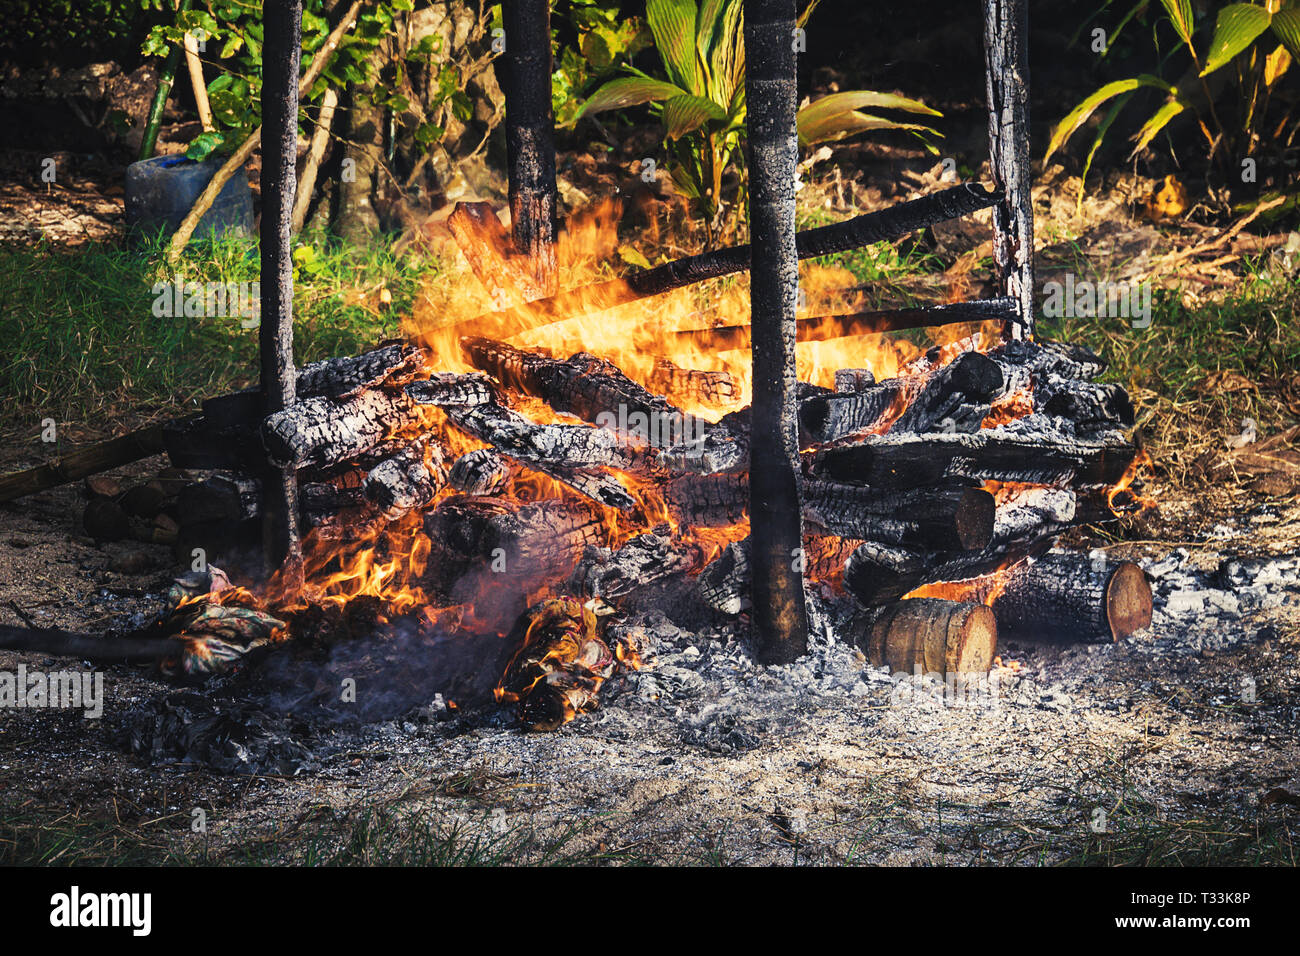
[886, 224]
[692, 385]
[1072, 597]
[902, 461]
[878, 574]
[824, 328]
[592, 388]
[83, 462]
[780, 612]
[282, 21]
[448, 389]
[645, 559]
[933, 519]
[407, 481]
[969, 378]
[530, 134]
[514, 436]
[1006, 70]
[320, 431]
[708, 501]
[479, 472]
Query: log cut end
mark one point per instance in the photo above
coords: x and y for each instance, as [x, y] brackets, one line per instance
[1128, 601]
[930, 636]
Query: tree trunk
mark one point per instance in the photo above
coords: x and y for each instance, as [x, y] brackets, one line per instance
[281, 53]
[780, 614]
[525, 76]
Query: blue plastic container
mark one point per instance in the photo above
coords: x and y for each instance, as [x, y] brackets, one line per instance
[161, 190]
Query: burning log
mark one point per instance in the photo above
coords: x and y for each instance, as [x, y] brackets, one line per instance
[824, 328]
[930, 636]
[645, 559]
[449, 390]
[725, 584]
[878, 574]
[319, 431]
[538, 540]
[407, 481]
[486, 245]
[850, 380]
[687, 385]
[514, 436]
[594, 389]
[933, 519]
[479, 472]
[903, 461]
[347, 377]
[970, 377]
[1070, 597]
[825, 418]
[709, 501]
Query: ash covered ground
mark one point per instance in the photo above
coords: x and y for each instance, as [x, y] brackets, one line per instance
[1176, 747]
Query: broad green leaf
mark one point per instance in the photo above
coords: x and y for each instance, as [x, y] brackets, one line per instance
[1157, 122]
[838, 103]
[1286, 24]
[632, 91]
[838, 126]
[1079, 115]
[1237, 27]
[683, 182]
[673, 24]
[1184, 20]
[1102, 130]
[684, 113]
[203, 145]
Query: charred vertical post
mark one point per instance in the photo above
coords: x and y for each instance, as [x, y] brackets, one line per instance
[525, 77]
[282, 22]
[780, 614]
[1006, 64]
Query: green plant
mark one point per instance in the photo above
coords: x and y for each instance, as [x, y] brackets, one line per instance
[702, 102]
[231, 32]
[603, 41]
[1238, 29]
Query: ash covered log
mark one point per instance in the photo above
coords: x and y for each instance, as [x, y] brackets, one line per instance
[725, 584]
[540, 539]
[930, 636]
[901, 461]
[479, 472]
[933, 519]
[825, 418]
[592, 388]
[407, 481]
[645, 559]
[448, 390]
[1091, 407]
[969, 378]
[340, 378]
[319, 431]
[1069, 596]
[1041, 357]
[850, 380]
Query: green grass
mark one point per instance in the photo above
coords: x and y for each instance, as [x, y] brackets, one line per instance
[81, 342]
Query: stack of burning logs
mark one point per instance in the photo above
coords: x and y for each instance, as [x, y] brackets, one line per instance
[952, 478]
